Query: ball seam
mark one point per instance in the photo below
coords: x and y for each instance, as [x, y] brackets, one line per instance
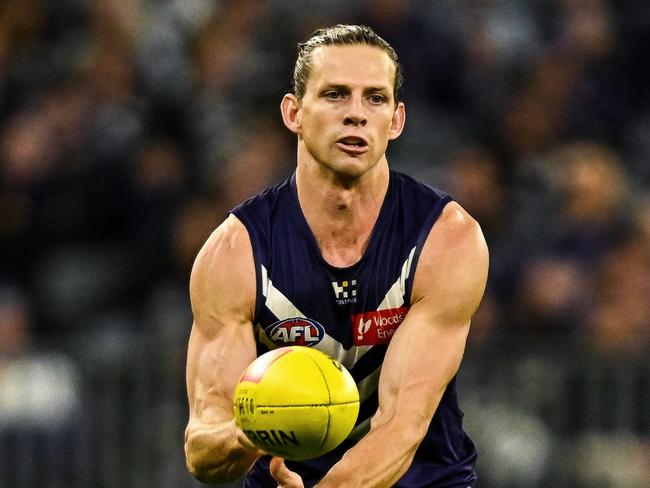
[329, 402]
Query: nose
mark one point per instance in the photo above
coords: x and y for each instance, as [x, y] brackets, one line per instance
[355, 114]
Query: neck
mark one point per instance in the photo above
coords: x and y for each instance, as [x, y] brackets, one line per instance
[341, 211]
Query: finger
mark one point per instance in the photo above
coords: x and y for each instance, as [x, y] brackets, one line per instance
[283, 475]
[279, 470]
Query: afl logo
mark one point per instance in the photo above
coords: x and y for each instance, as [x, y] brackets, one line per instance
[296, 332]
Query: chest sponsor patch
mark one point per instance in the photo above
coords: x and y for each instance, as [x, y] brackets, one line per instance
[378, 326]
[296, 331]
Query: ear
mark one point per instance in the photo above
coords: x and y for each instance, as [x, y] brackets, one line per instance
[290, 108]
[397, 124]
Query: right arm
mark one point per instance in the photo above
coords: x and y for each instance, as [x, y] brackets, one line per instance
[221, 346]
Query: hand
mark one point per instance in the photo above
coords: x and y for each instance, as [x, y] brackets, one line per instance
[283, 475]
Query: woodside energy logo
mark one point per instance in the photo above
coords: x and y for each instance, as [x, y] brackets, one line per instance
[378, 326]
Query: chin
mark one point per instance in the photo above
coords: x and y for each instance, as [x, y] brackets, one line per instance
[350, 170]
[346, 168]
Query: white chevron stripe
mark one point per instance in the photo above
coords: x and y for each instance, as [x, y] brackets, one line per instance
[265, 282]
[395, 296]
[276, 302]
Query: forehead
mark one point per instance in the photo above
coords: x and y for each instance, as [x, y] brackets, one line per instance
[351, 65]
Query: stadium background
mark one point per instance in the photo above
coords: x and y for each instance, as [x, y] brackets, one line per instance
[129, 127]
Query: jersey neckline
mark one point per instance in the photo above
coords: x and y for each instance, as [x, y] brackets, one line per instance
[311, 238]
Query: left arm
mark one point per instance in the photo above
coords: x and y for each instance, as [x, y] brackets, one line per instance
[423, 356]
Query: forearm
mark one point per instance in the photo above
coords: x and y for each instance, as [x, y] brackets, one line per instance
[377, 460]
[218, 453]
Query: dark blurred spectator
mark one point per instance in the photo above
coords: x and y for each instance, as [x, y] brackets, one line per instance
[194, 223]
[259, 156]
[552, 298]
[476, 181]
[158, 183]
[620, 318]
[596, 199]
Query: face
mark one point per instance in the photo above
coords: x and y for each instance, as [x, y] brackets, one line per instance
[348, 113]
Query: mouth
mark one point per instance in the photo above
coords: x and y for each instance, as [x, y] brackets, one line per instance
[352, 144]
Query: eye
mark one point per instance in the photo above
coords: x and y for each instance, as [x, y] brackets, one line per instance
[377, 99]
[333, 95]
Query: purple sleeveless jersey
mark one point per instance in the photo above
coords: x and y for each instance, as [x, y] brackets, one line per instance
[351, 314]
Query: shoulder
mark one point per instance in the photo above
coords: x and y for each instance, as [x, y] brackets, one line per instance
[455, 241]
[223, 275]
[456, 229]
[454, 261]
[228, 241]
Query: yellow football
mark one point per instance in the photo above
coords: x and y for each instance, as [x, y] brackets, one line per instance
[296, 402]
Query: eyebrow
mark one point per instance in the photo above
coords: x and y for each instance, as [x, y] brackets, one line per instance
[370, 89]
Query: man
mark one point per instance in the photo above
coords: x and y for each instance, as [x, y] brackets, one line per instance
[385, 271]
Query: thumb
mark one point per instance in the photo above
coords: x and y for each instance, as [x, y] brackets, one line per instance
[283, 475]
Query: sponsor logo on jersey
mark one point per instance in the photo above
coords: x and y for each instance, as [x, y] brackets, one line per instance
[378, 326]
[296, 331]
[345, 291]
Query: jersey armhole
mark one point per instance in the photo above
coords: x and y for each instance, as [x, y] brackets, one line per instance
[421, 240]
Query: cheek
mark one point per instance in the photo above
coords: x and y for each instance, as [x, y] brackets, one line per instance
[313, 134]
[316, 127]
[384, 131]
[381, 148]
[306, 120]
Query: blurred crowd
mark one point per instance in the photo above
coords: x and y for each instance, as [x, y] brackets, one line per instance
[128, 128]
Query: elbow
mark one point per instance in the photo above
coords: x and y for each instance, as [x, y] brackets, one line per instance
[202, 469]
[212, 474]
[204, 466]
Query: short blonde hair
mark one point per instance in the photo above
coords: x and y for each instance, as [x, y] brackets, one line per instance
[340, 35]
